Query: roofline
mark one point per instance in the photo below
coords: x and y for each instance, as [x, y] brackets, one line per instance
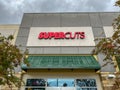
[9, 24]
[70, 12]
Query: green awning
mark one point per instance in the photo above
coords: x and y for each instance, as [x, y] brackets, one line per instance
[118, 61]
[62, 62]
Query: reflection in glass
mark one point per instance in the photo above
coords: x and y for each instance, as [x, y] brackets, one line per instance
[82, 84]
[52, 83]
[86, 88]
[60, 82]
[65, 82]
[86, 82]
[34, 88]
[35, 82]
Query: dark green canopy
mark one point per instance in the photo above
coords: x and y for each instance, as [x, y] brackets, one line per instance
[62, 62]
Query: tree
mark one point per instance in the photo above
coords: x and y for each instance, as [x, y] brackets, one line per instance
[110, 46]
[10, 57]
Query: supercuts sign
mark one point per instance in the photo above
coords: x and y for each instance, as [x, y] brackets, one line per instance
[61, 35]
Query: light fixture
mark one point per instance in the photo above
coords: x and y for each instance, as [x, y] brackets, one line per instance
[111, 76]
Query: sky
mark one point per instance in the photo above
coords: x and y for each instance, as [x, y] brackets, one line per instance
[11, 11]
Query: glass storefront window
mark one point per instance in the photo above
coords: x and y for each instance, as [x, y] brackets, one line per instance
[35, 89]
[65, 82]
[52, 83]
[86, 88]
[49, 84]
[35, 82]
[86, 84]
[60, 82]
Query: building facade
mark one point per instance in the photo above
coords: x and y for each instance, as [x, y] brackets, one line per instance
[60, 46]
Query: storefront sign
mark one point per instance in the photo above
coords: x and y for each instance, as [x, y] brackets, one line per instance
[61, 35]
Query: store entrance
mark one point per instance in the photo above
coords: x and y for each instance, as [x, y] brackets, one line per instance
[61, 84]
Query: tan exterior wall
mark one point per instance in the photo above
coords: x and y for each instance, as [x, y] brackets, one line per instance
[7, 30]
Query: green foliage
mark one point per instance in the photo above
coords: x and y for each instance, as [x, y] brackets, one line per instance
[10, 57]
[117, 3]
[110, 46]
[106, 47]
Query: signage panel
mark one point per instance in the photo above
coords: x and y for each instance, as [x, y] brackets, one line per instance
[61, 36]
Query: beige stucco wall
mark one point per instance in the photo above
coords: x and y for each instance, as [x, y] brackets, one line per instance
[10, 29]
[63, 74]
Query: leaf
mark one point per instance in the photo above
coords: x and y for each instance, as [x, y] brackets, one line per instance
[10, 56]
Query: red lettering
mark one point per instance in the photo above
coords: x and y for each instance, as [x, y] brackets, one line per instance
[61, 35]
[73, 36]
[57, 35]
[51, 34]
[46, 35]
[82, 35]
[67, 35]
[77, 34]
[41, 35]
